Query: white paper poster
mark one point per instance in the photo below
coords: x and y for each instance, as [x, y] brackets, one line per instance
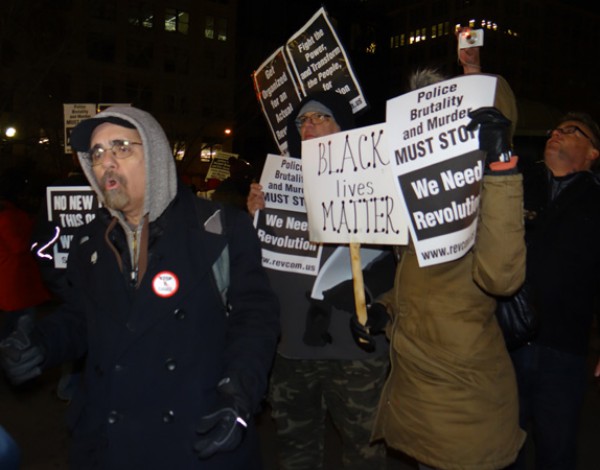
[437, 164]
[282, 226]
[351, 194]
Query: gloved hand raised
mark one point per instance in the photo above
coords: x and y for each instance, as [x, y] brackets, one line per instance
[494, 137]
[224, 428]
[21, 354]
[377, 319]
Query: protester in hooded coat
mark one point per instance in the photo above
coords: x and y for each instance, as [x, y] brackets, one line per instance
[165, 355]
[451, 399]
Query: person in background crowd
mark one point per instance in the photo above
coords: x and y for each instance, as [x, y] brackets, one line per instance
[318, 368]
[177, 359]
[562, 202]
[21, 286]
[46, 234]
[234, 190]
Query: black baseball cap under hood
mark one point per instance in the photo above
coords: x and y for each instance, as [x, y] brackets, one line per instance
[340, 109]
[161, 174]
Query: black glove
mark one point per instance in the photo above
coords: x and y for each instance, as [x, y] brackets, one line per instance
[494, 133]
[223, 429]
[318, 319]
[377, 319]
[21, 353]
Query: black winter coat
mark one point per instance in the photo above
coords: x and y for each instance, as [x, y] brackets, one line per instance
[563, 258]
[153, 363]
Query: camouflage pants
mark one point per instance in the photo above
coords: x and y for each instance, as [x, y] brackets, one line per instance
[303, 391]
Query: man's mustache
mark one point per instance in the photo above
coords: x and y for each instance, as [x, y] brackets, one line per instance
[113, 176]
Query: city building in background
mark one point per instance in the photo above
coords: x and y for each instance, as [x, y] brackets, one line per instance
[174, 59]
[190, 64]
[540, 46]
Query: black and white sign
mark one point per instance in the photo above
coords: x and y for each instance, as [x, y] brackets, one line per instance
[312, 60]
[437, 163]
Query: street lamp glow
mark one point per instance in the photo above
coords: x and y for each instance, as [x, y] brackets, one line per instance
[227, 131]
[10, 132]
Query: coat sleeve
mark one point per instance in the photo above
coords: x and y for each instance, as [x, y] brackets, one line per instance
[499, 262]
[64, 331]
[253, 324]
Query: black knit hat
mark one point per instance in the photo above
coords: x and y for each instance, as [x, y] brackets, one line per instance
[340, 110]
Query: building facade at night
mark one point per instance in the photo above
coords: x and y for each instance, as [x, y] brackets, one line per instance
[190, 62]
[174, 59]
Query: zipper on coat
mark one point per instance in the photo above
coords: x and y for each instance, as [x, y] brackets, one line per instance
[133, 275]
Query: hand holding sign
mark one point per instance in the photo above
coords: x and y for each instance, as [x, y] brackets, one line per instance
[377, 319]
[494, 133]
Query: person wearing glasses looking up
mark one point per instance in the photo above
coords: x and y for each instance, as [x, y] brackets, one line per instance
[563, 269]
[174, 370]
[319, 369]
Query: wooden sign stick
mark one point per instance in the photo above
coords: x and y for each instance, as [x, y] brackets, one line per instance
[359, 287]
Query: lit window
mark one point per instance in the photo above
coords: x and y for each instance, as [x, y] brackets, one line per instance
[141, 14]
[371, 48]
[177, 21]
[440, 31]
[209, 28]
[433, 32]
[222, 29]
[402, 40]
[471, 23]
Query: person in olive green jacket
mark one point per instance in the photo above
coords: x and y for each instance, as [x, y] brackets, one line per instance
[451, 398]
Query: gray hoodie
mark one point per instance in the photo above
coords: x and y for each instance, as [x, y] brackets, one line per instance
[161, 174]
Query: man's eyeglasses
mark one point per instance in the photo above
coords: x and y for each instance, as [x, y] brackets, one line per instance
[121, 149]
[315, 119]
[569, 130]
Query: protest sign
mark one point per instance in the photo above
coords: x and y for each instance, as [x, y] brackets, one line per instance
[77, 112]
[320, 62]
[312, 60]
[219, 166]
[437, 164]
[282, 226]
[73, 115]
[68, 207]
[351, 194]
[277, 94]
